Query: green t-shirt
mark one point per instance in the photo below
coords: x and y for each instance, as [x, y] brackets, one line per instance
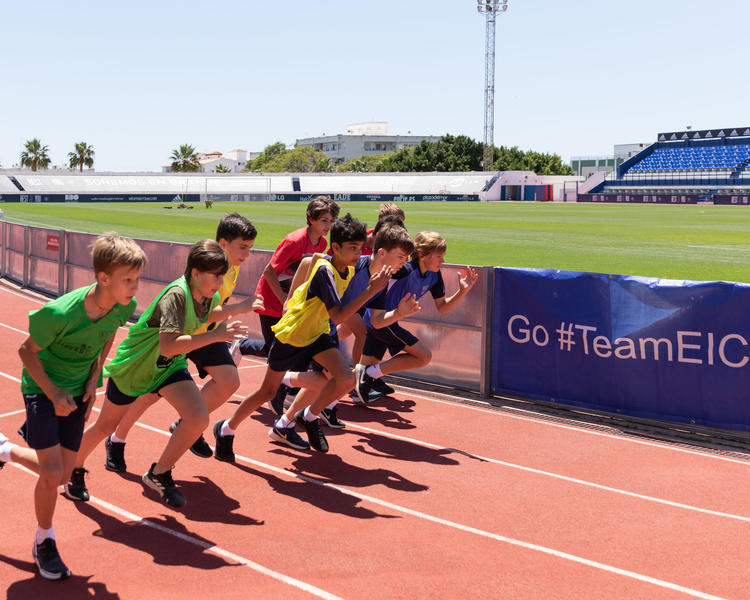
[138, 366]
[70, 341]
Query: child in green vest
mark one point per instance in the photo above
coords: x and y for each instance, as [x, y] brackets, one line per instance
[151, 359]
[69, 338]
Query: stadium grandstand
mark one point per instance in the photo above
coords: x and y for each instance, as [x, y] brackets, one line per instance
[684, 167]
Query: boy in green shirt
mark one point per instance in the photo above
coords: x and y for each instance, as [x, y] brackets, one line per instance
[151, 359]
[63, 357]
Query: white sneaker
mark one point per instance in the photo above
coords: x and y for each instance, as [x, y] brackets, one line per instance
[234, 350]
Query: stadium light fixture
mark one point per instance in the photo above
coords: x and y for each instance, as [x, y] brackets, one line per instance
[489, 8]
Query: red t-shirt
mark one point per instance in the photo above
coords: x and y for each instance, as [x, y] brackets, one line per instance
[285, 261]
[366, 251]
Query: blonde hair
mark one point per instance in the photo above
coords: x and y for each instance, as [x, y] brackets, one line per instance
[110, 251]
[427, 242]
[389, 209]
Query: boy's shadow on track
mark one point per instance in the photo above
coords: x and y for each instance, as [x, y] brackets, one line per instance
[206, 501]
[382, 446]
[74, 588]
[385, 410]
[325, 498]
[331, 468]
[154, 540]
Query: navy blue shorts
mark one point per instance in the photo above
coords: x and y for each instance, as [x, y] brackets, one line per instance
[115, 396]
[213, 355]
[393, 338]
[44, 429]
[284, 357]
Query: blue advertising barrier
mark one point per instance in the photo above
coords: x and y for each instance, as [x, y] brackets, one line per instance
[661, 349]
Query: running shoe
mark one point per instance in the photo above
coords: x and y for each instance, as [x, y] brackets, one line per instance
[76, 488]
[288, 436]
[200, 446]
[115, 456]
[165, 486]
[314, 432]
[224, 444]
[329, 417]
[47, 558]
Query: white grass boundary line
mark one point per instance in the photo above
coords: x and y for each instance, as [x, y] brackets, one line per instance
[583, 430]
[213, 549]
[467, 529]
[575, 480]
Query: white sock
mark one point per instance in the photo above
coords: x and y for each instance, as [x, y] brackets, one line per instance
[114, 439]
[43, 534]
[5, 449]
[332, 404]
[308, 414]
[287, 380]
[374, 371]
[226, 429]
[283, 422]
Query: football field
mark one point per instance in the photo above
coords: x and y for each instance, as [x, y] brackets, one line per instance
[702, 242]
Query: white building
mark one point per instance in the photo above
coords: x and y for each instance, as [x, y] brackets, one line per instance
[586, 166]
[235, 161]
[363, 139]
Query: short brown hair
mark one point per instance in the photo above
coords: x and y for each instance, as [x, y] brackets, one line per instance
[427, 242]
[206, 256]
[320, 205]
[110, 251]
[391, 237]
[389, 209]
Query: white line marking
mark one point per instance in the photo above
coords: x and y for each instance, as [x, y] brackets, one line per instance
[25, 297]
[622, 438]
[15, 412]
[16, 379]
[469, 529]
[558, 476]
[14, 329]
[209, 547]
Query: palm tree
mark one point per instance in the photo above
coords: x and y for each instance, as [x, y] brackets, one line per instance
[35, 155]
[185, 160]
[222, 169]
[83, 155]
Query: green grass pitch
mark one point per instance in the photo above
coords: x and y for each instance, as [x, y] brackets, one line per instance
[700, 242]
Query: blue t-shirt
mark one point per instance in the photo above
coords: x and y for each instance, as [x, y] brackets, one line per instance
[359, 283]
[410, 281]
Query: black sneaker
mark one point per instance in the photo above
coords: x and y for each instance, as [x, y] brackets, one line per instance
[277, 402]
[47, 558]
[363, 384]
[164, 484]
[314, 432]
[379, 385]
[115, 456]
[224, 444]
[76, 489]
[328, 416]
[3, 439]
[200, 446]
[373, 395]
[288, 436]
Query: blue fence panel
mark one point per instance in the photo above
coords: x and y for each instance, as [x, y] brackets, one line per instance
[655, 348]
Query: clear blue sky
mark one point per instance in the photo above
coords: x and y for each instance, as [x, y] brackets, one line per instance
[137, 79]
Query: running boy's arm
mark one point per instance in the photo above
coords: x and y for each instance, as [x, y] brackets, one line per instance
[172, 344]
[226, 311]
[89, 390]
[466, 280]
[340, 313]
[408, 306]
[62, 401]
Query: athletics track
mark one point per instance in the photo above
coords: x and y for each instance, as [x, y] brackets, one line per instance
[418, 498]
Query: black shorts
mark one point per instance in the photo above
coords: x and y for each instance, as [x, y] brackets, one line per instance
[393, 338]
[115, 396]
[213, 355]
[284, 357]
[44, 429]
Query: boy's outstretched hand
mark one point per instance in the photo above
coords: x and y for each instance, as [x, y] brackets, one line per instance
[408, 306]
[257, 304]
[467, 278]
[380, 279]
[228, 332]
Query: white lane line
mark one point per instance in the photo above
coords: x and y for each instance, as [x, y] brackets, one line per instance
[468, 529]
[14, 329]
[575, 480]
[584, 430]
[207, 546]
[16, 379]
[15, 412]
[25, 297]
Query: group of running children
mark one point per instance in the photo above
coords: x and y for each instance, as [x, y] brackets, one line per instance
[306, 300]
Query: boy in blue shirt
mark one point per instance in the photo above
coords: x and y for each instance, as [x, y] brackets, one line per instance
[420, 275]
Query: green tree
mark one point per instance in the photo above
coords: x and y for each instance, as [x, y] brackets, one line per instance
[35, 155]
[363, 164]
[299, 160]
[185, 160]
[83, 155]
[269, 153]
[449, 153]
[223, 169]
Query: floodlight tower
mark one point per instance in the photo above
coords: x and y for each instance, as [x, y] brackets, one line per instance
[489, 8]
